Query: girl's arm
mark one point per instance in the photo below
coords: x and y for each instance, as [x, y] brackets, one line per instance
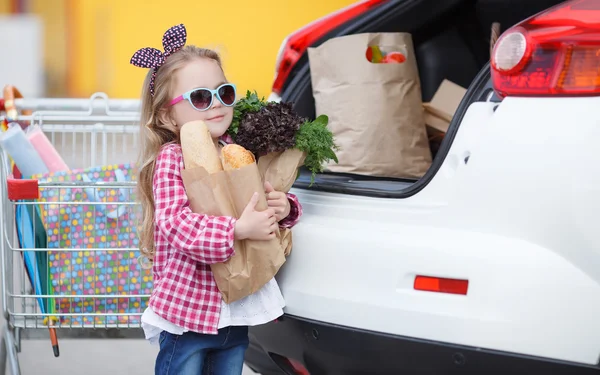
[295, 212]
[206, 239]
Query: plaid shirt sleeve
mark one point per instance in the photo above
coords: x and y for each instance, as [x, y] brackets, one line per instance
[206, 239]
[295, 212]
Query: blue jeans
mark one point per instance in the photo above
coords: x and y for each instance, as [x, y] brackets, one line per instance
[197, 354]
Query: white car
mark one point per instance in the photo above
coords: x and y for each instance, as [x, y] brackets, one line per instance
[490, 263]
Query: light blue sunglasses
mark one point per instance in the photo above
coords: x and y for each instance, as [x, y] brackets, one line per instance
[202, 98]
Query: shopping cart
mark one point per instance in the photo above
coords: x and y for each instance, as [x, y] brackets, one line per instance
[83, 283]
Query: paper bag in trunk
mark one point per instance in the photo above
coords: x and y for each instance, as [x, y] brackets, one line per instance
[375, 109]
[227, 193]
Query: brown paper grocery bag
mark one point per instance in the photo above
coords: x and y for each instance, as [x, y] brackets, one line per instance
[375, 110]
[281, 170]
[264, 258]
[227, 193]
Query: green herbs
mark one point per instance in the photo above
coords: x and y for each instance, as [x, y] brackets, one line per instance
[263, 127]
[250, 104]
[317, 142]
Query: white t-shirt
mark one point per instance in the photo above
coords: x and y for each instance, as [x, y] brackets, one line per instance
[259, 308]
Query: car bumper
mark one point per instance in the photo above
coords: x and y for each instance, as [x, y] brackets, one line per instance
[329, 349]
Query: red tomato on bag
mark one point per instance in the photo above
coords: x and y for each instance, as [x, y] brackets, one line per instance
[394, 58]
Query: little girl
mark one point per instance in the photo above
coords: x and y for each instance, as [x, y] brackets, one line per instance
[196, 331]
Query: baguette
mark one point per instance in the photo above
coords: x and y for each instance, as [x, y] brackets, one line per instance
[236, 157]
[199, 148]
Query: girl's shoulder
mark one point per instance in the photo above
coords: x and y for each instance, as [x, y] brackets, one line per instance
[170, 150]
[170, 153]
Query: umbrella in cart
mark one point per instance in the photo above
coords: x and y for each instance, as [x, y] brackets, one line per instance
[36, 263]
[31, 234]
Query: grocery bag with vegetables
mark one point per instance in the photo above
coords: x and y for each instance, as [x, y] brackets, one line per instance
[369, 87]
[224, 188]
[272, 143]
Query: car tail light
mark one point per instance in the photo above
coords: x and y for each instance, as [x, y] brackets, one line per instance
[297, 43]
[441, 285]
[556, 52]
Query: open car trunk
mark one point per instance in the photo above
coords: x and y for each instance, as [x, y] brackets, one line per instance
[452, 41]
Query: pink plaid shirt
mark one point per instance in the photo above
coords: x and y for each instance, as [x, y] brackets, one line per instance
[185, 292]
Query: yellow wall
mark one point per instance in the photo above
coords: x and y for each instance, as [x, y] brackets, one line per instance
[247, 33]
[55, 44]
[4, 6]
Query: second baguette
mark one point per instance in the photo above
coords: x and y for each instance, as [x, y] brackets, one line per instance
[236, 157]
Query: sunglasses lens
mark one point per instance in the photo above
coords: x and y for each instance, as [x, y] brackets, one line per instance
[201, 98]
[227, 94]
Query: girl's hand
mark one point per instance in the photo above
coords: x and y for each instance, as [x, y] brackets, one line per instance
[278, 201]
[256, 225]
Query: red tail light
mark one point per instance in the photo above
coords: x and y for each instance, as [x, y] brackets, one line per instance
[297, 43]
[556, 52]
[441, 285]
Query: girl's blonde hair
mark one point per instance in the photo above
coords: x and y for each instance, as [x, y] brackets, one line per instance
[155, 133]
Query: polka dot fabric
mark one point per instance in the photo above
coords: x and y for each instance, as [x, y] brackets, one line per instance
[107, 265]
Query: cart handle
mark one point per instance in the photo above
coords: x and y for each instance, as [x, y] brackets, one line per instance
[22, 189]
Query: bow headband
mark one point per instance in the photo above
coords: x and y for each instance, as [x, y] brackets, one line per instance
[173, 40]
